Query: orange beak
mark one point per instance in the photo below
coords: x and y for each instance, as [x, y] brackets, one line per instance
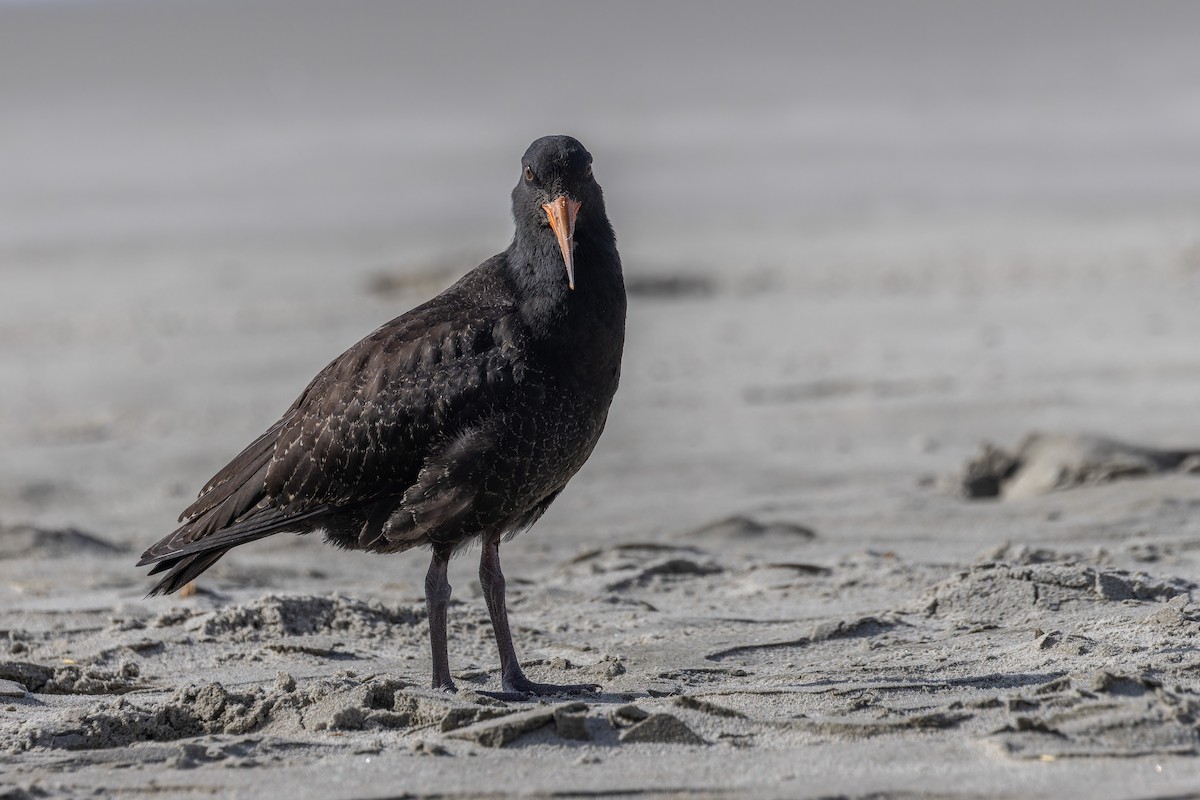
[561, 211]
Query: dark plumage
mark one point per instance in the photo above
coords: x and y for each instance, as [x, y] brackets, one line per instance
[462, 419]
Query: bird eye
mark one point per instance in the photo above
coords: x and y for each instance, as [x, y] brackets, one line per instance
[529, 176]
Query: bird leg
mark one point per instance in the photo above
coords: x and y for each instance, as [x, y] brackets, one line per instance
[512, 678]
[437, 598]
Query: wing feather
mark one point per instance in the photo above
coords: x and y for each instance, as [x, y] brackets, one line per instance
[364, 427]
[366, 435]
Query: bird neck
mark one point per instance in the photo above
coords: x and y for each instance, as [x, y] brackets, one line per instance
[548, 305]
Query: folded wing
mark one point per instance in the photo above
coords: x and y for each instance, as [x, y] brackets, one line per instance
[363, 429]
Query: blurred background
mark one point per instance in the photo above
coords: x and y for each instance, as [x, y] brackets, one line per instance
[177, 122]
[860, 236]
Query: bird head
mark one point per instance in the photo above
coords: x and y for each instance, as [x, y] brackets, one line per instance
[557, 195]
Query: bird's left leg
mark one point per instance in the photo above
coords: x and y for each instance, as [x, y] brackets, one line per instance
[516, 685]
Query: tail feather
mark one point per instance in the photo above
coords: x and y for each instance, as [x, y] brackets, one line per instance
[245, 530]
[182, 571]
[183, 564]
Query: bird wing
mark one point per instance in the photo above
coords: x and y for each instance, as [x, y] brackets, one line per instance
[367, 423]
[364, 426]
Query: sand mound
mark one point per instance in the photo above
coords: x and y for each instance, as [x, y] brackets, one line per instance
[276, 616]
[71, 678]
[340, 704]
[1115, 715]
[1003, 594]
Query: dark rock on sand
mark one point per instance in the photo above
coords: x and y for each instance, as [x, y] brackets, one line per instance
[669, 286]
[741, 528]
[24, 541]
[696, 704]
[1045, 463]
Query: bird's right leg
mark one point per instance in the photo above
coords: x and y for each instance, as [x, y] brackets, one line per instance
[437, 599]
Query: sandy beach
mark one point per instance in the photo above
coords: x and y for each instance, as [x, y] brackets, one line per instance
[899, 497]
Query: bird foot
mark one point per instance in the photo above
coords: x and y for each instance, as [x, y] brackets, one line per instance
[521, 688]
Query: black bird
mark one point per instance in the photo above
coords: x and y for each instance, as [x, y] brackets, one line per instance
[460, 420]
